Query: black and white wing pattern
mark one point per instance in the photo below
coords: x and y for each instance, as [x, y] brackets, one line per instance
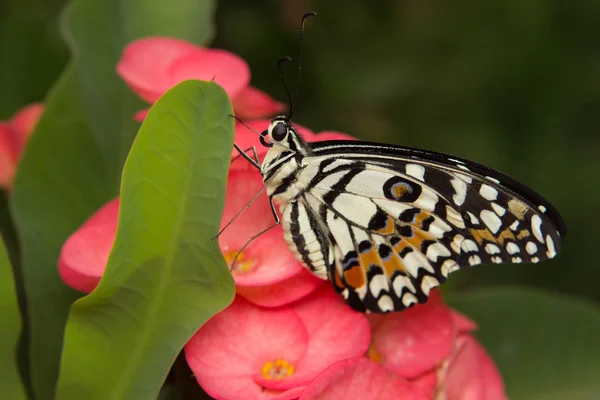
[386, 224]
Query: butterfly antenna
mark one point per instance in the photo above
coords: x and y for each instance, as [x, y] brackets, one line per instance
[304, 18]
[287, 91]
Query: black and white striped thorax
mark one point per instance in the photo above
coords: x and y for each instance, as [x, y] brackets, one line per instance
[386, 224]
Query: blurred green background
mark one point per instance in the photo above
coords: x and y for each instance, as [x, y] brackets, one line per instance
[513, 85]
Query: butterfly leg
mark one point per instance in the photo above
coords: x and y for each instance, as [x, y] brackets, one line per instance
[277, 222]
[243, 153]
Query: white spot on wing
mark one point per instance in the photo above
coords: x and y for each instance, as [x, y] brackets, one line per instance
[416, 171]
[488, 192]
[436, 250]
[514, 226]
[456, 242]
[542, 209]
[415, 260]
[551, 250]
[385, 303]
[499, 209]
[468, 245]
[517, 260]
[408, 299]
[474, 260]
[427, 200]
[335, 164]
[460, 187]
[355, 208]
[492, 248]
[428, 283]
[512, 248]
[473, 218]
[454, 217]
[378, 283]
[531, 247]
[492, 179]
[491, 220]
[400, 282]
[449, 266]
[536, 227]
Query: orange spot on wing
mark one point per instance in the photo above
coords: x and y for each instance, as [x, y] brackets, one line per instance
[505, 234]
[523, 234]
[368, 258]
[400, 246]
[482, 234]
[355, 277]
[417, 239]
[337, 280]
[390, 227]
[399, 190]
[392, 265]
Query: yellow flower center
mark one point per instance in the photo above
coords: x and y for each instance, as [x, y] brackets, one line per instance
[277, 369]
[374, 355]
[242, 263]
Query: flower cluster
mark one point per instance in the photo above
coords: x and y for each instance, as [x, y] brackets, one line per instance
[287, 335]
[13, 137]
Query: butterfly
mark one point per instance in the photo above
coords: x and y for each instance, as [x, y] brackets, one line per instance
[385, 224]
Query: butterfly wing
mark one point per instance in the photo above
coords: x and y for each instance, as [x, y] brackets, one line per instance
[387, 224]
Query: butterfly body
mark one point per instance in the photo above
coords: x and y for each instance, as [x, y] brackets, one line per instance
[386, 224]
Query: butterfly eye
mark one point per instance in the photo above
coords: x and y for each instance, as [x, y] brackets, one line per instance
[279, 132]
[263, 141]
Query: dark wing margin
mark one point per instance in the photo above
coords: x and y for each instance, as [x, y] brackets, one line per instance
[360, 150]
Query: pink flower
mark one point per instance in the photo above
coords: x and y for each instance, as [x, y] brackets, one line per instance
[153, 65]
[250, 352]
[360, 378]
[14, 134]
[429, 345]
[83, 258]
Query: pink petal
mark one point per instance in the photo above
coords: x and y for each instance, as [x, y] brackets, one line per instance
[232, 347]
[427, 383]
[83, 258]
[8, 155]
[153, 65]
[336, 332]
[462, 323]
[252, 103]
[360, 379]
[24, 122]
[291, 394]
[141, 115]
[414, 341]
[283, 292]
[223, 67]
[472, 374]
[267, 259]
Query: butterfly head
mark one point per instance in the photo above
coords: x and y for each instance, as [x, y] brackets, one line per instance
[279, 131]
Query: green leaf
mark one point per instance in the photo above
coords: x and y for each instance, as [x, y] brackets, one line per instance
[165, 276]
[10, 379]
[72, 164]
[546, 345]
